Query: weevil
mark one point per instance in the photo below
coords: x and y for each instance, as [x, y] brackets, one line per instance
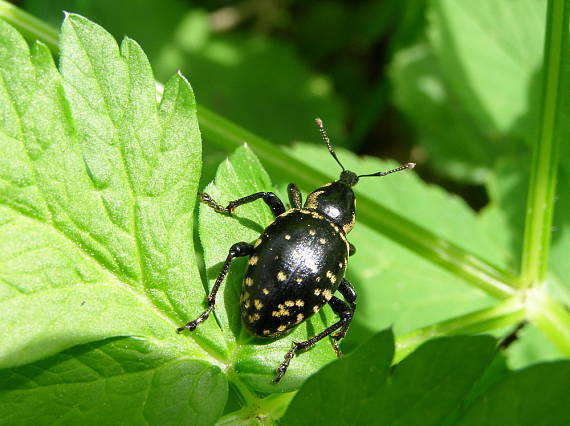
[298, 263]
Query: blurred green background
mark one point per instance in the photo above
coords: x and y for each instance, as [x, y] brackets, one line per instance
[272, 66]
[391, 78]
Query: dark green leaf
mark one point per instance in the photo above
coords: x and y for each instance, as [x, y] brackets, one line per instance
[423, 389]
[537, 395]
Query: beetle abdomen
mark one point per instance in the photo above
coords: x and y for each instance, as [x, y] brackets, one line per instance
[296, 267]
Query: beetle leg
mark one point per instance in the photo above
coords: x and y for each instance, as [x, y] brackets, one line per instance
[237, 250]
[272, 200]
[349, 294]
[343, 310]
[295, 197]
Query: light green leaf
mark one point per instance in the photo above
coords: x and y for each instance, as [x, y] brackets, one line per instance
[461, 148]
[489, 52]
[97, 188]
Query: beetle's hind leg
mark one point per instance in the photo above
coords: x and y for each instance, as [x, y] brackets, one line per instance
[349, 294]
[237, 250]
[344, 311]
[272, 200]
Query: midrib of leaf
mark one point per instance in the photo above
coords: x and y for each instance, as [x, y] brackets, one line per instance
[542, 186]
[133, 190]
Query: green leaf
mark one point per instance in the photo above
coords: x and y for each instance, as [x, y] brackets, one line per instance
[536, 395]
[462, 148]
[97, 189]
[423, 389]
[255, 359]
[115, 381]
[471, 87]
[489, 53]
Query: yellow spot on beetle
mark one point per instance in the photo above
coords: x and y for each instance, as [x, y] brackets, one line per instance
[299, 303]
[248, 281]
[281, 328]
[317, 292]
[329, 274]
[266, 332]
[287, 237]
[327, 294]
[257, 243]
[246, 304]
[299, 280]
[318, 279]
[322, 241]
[316, 308]
[300, 317]
[252, 260]
[312, 232]
[265, 291]
[281, 276]
[333, 279]
[289, 303]
[258, 304]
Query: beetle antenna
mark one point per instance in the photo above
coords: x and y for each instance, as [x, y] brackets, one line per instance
[326, 140]
[397, 169]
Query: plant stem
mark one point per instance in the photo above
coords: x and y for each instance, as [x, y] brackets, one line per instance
[29, 26]
[504, 314]
[550, 317]
[540, 200]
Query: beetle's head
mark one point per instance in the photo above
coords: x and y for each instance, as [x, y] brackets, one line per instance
[336, 200]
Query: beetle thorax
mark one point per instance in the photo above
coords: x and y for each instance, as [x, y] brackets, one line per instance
[335, 201]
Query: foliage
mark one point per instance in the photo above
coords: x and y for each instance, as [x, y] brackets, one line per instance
[104, 252]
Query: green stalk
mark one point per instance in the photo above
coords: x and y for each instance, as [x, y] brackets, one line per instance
[29, 26]
[550, 317]
[540, 200]
[507, 313]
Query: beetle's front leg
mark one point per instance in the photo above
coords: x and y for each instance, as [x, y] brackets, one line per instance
[272, 200]
[237, 250]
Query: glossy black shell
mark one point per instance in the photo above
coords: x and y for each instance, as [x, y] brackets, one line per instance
[297, 265]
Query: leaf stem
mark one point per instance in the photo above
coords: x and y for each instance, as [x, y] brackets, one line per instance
[504, 314]
[29, 26]
[540, 200]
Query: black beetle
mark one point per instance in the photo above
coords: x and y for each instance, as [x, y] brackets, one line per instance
[298, 263]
